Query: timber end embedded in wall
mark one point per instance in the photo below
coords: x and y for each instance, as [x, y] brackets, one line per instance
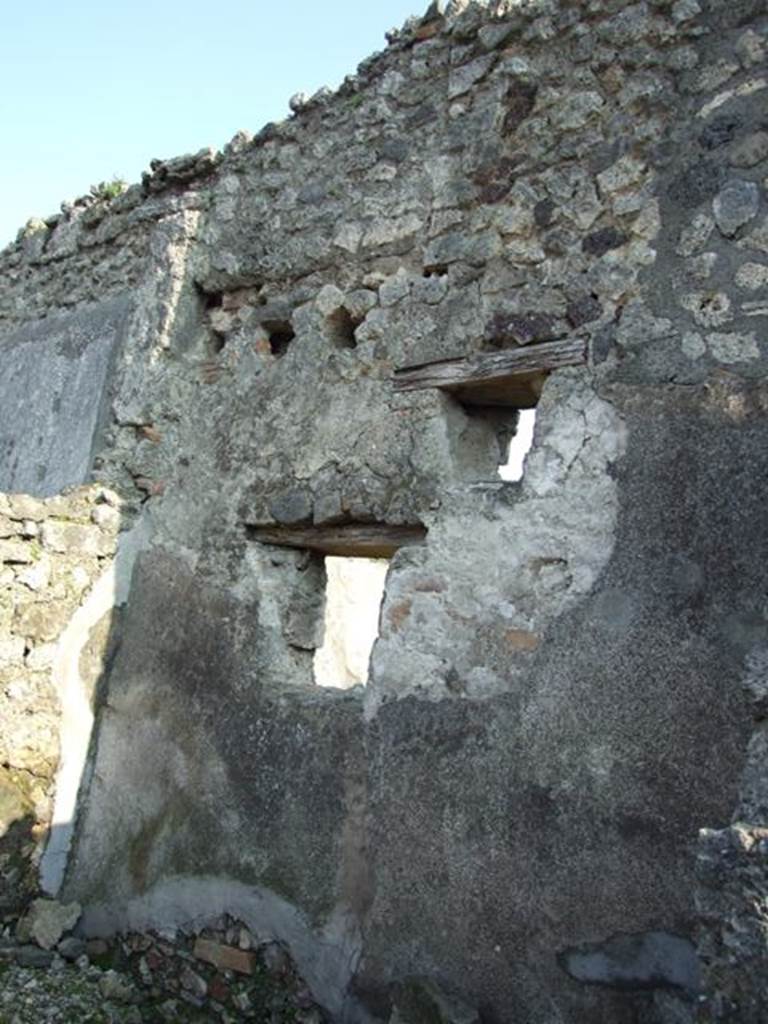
[366, 540]
[510, 378]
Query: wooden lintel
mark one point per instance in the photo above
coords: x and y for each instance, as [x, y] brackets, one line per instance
[352, 540]
[513, 377]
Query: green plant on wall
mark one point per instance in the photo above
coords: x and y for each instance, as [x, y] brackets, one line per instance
[106, 191]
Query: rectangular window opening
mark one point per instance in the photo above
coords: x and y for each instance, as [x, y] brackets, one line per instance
[353, 596]
[506, 378]
[501, 440]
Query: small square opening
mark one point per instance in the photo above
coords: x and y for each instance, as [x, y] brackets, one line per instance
[280, 334]
[353, 596]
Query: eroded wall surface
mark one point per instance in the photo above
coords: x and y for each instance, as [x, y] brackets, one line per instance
[555, 705]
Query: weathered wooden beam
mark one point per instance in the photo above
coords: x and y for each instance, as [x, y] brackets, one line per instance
[353, 540]
[513, 377]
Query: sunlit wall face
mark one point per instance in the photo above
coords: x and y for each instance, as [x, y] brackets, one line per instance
[354, 592]
[519, 446]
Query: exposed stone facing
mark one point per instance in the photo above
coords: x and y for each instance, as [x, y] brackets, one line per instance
[554, 708]
[51, 553]
[93, 249]
[732, 872]
[732, 883]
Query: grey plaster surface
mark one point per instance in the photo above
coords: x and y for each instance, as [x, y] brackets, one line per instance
[52, 391]
[231, 780]
[652, 959]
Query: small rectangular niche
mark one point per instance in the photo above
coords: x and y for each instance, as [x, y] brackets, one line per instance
[513, 430]
[353, 596]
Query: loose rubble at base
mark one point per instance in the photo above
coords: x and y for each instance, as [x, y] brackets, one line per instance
[219, 974]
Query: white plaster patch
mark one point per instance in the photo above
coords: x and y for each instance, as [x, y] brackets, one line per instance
[745, 89]
[752, 276]
[709, 309]
[733, 348]
[535, 557]
[693, 345]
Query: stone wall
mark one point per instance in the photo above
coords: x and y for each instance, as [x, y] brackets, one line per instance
[556, 700]
[52, 553]
[732, 882]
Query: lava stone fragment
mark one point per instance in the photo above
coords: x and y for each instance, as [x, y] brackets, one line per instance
[602, 241]
[523, 329]
[737, 12]
[696, 184]
[602, 343]
[435, 11]
[393, 150]
[720, 131]
[271, 130]
[422, 115]
[544, 213]
[33, 956]
[495, 179]
[71, 948]
[292, 508]
[312, 193]
[583, 310]
[735, 205]
[519, 101]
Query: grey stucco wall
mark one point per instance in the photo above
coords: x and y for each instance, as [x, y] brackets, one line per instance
[55, 377]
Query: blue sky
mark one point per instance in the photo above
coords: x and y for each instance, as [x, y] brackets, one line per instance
[90, 90]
